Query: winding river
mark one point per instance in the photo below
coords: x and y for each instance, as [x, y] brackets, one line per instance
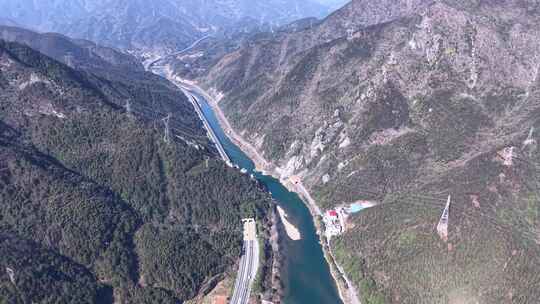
[306, 274]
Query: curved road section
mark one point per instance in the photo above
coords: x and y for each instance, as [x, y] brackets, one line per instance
[248, 264]
[193, 45]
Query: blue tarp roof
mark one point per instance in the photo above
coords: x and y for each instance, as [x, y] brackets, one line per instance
[355, 208]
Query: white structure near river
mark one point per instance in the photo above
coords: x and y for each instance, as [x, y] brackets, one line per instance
[335, 219]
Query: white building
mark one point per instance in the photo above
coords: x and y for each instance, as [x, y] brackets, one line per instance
[332, 224]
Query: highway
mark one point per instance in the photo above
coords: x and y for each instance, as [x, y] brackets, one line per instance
[194, 44]
[248, 265]
[249, 262]
[193, 98]
[211, 134]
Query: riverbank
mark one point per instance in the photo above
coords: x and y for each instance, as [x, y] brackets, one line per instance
[267, 286]
[346, 290]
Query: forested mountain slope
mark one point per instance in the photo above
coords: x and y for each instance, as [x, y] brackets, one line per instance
[96, 206]
[76, 52]
[403, 103]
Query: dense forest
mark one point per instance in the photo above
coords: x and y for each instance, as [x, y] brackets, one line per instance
[96, 205]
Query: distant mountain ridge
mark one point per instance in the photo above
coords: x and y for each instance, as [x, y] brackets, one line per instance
[152, 26]
[75, 52]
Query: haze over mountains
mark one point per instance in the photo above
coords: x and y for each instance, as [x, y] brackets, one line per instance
[155, 25]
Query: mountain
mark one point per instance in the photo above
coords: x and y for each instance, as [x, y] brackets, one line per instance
[8, 22]
[160, 26]
[401, 104]
[80, 53]
[96, 206]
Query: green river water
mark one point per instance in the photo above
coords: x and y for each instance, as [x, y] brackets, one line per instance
[306, 274]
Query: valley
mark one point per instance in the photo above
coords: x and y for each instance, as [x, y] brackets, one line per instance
[158, 26]
[400, 104]
[303, 258]
[247, 152]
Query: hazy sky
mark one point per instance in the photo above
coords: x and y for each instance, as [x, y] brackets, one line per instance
[333, 2]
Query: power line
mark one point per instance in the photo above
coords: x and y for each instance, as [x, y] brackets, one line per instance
[128, 108]
[167, 136]
[442, 227]
[477, 215]
[495, 224]
[158, 115]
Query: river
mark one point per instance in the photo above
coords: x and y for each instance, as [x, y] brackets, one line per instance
[306, 274]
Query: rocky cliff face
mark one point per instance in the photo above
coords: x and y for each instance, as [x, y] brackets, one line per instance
[370, 86]
[403, 103]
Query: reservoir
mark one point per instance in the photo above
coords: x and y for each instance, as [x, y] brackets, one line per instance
[306, 274]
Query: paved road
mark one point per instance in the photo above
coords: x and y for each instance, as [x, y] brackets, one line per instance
[195, 101]
[248, 265]
[249, 261]
[194, 44]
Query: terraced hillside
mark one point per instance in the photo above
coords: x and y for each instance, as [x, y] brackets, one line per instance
[403, 103]
[96, 206]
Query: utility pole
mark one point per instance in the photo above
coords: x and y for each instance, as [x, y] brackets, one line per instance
[530, 139]
[508, 156]
[11, 274]
[69, 59]
[350, 33]
[442, 227]
[128, 108]
[167, 136]
[92, 50]
[531, 132]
